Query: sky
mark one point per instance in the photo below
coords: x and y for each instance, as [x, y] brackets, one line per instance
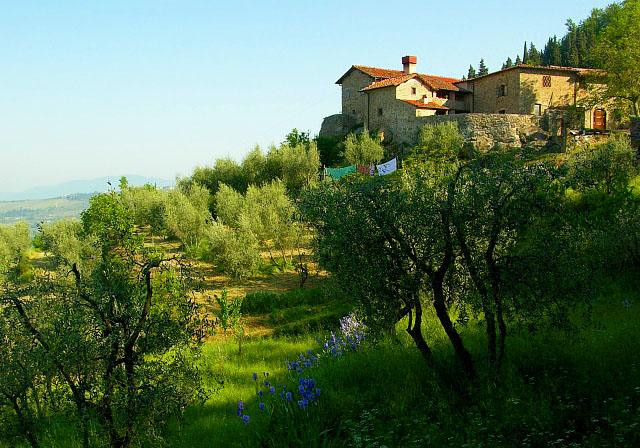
[155, 88]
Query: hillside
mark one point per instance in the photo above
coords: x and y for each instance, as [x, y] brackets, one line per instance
[81, 186]
[43, 210]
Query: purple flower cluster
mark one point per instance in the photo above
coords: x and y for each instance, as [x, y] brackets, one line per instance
[305, 394]
[349, 337]
[245, 418]
[308, 392]
[303, 362]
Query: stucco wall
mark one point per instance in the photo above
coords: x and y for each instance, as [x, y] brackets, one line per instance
[404, 92]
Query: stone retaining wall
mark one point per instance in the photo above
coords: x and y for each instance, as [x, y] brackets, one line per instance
[488, 130]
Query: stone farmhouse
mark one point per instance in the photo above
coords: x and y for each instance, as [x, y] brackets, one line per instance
[496, 108]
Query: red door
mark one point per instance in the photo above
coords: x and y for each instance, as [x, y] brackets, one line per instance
[599, 119]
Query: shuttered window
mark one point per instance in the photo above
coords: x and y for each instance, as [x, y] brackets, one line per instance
[546, 81]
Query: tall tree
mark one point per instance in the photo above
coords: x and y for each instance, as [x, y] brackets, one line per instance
[555, 55]
[482, 68]
[518, 60]
[534, 56]
[618, 52]
[525, 54]
[471, 73]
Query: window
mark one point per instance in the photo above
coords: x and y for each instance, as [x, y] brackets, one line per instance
[537, 109]
[380, 112]
[502, 111]
[442, 94]
[502, 90]
[546, 81]
[413, 90]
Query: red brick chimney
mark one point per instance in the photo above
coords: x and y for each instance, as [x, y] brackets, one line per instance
[409, 64]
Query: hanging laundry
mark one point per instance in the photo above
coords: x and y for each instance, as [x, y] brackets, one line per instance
[388, 167]
[367, 170]
[337, 173]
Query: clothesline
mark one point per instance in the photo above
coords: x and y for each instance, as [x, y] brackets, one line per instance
[382, 169]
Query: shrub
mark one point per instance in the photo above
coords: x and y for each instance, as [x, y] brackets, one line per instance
[603, 168]
[187, 214]
[362, 149]
[439, 142]
[147, 205]
[14, 240]
[262, 302]
[235, 252]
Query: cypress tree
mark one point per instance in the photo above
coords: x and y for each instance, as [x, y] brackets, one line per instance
[525, 55]
[534, 56]
[581, 45]
[555, 55]
[482, 68]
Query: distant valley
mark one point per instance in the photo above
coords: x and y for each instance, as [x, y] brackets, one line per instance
[65, 200]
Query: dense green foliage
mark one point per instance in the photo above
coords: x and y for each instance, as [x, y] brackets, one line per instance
[578, 47]
[617, 53]
[499, 292]
[109, 340]
[296, 162]
[362, 149]
[494, 237]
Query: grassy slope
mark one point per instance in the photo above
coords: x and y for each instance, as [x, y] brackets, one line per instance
[553, 383]
[555, 386]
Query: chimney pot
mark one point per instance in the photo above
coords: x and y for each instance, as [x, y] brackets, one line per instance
[409, 64]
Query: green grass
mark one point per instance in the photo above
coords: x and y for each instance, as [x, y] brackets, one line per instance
[577, 388]
[557, 388]
[215, 423]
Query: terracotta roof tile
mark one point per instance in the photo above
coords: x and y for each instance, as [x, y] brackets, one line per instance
[389, 82]
[379, 72]
[439, 82]
[579, 71]
[383, 74]
[433, 82]
[423, 105]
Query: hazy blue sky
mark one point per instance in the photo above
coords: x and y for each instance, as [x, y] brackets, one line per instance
[92, 88]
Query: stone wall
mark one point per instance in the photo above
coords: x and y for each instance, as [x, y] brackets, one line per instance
[488, 130]
[635, 132]
[338, 125]
[354, 102]
[485, 93]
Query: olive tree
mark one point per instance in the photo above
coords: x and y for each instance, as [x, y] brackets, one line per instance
[187, 214]
[362, 149]
[391, 242]
[121, 336]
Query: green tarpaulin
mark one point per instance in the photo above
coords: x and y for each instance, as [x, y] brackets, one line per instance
[337, 173]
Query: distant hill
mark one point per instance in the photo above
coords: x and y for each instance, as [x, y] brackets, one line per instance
[43, 210]
[87, 186]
